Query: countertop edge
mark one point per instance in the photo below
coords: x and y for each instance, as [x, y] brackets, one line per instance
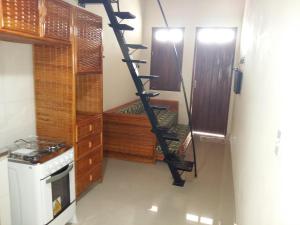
[3, 154]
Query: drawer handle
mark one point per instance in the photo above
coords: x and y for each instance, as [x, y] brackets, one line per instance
[91, 177]
[90, 127]
[90, 144]
[90, 161]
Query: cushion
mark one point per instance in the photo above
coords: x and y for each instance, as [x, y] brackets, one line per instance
[134, 108]
[167, 118]
[182, 131]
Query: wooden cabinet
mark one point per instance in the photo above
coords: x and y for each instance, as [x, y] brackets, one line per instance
[68, 75]
[89, 98]
[89, 129]
[36, 21]
[20, 16]
[89, 150]
[88, 42]
[56, 22]
[68, 86]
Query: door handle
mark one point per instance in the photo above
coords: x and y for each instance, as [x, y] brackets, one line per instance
[61, 175]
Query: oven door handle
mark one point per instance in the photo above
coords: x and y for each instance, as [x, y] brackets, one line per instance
[61, 175]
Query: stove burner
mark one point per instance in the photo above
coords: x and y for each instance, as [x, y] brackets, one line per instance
[32, 150]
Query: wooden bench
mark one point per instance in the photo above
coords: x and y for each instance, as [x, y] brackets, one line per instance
[128, 136]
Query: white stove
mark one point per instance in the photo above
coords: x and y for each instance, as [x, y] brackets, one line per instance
[42, 182]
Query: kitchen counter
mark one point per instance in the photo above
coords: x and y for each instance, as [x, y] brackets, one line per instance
[3, 154]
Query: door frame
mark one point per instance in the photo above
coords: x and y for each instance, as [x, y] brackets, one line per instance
[235, 29]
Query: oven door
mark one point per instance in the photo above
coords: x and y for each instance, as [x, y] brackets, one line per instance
[58, 192]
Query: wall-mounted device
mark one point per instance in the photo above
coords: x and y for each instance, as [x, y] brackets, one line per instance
[238, 78]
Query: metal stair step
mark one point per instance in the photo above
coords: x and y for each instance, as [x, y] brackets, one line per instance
[135, 61]
[183, 165]
[170, 136]
[150, 77]
[163, 129]
[125, 15]
[89, 1]
[149, 94]
[94, 1]
[136, 46]
[158, 107]
[120, 26]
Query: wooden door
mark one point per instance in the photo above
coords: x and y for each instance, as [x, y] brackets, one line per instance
[20, 16]
[212, 86]
[88, 42]
[164, 63]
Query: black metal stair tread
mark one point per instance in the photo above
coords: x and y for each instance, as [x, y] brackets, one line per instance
[125, 15]
[121, 26]
[134, 61]
[94, 1]
[136, 46]
[150, 77]
[159, 107]
[183, 165]
[165, 129]
[170, 136]
[149, 93]
[89, 1]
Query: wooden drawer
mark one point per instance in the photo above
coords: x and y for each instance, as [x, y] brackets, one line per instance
[88, 162]
[84, 181]
[88, 127]
[88, 144]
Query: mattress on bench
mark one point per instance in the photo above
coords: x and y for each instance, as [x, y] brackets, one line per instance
[174, 146]
[165, 118]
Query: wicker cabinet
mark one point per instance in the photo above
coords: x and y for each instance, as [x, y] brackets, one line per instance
[56, 19]
[89, 82]
[20, 16]
[67, 73]
[68, 86]
[88, 42]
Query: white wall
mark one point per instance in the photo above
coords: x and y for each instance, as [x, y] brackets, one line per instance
[118, 85]
[266, 177]
[189, 14]
[17, 110]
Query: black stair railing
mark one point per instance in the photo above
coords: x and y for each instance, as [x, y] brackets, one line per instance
[174, 163]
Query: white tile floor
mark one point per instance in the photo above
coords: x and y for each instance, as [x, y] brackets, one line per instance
[142, 194]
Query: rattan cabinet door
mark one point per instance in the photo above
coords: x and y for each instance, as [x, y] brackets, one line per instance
[88, 42]
[21, 16]
[57, 20]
